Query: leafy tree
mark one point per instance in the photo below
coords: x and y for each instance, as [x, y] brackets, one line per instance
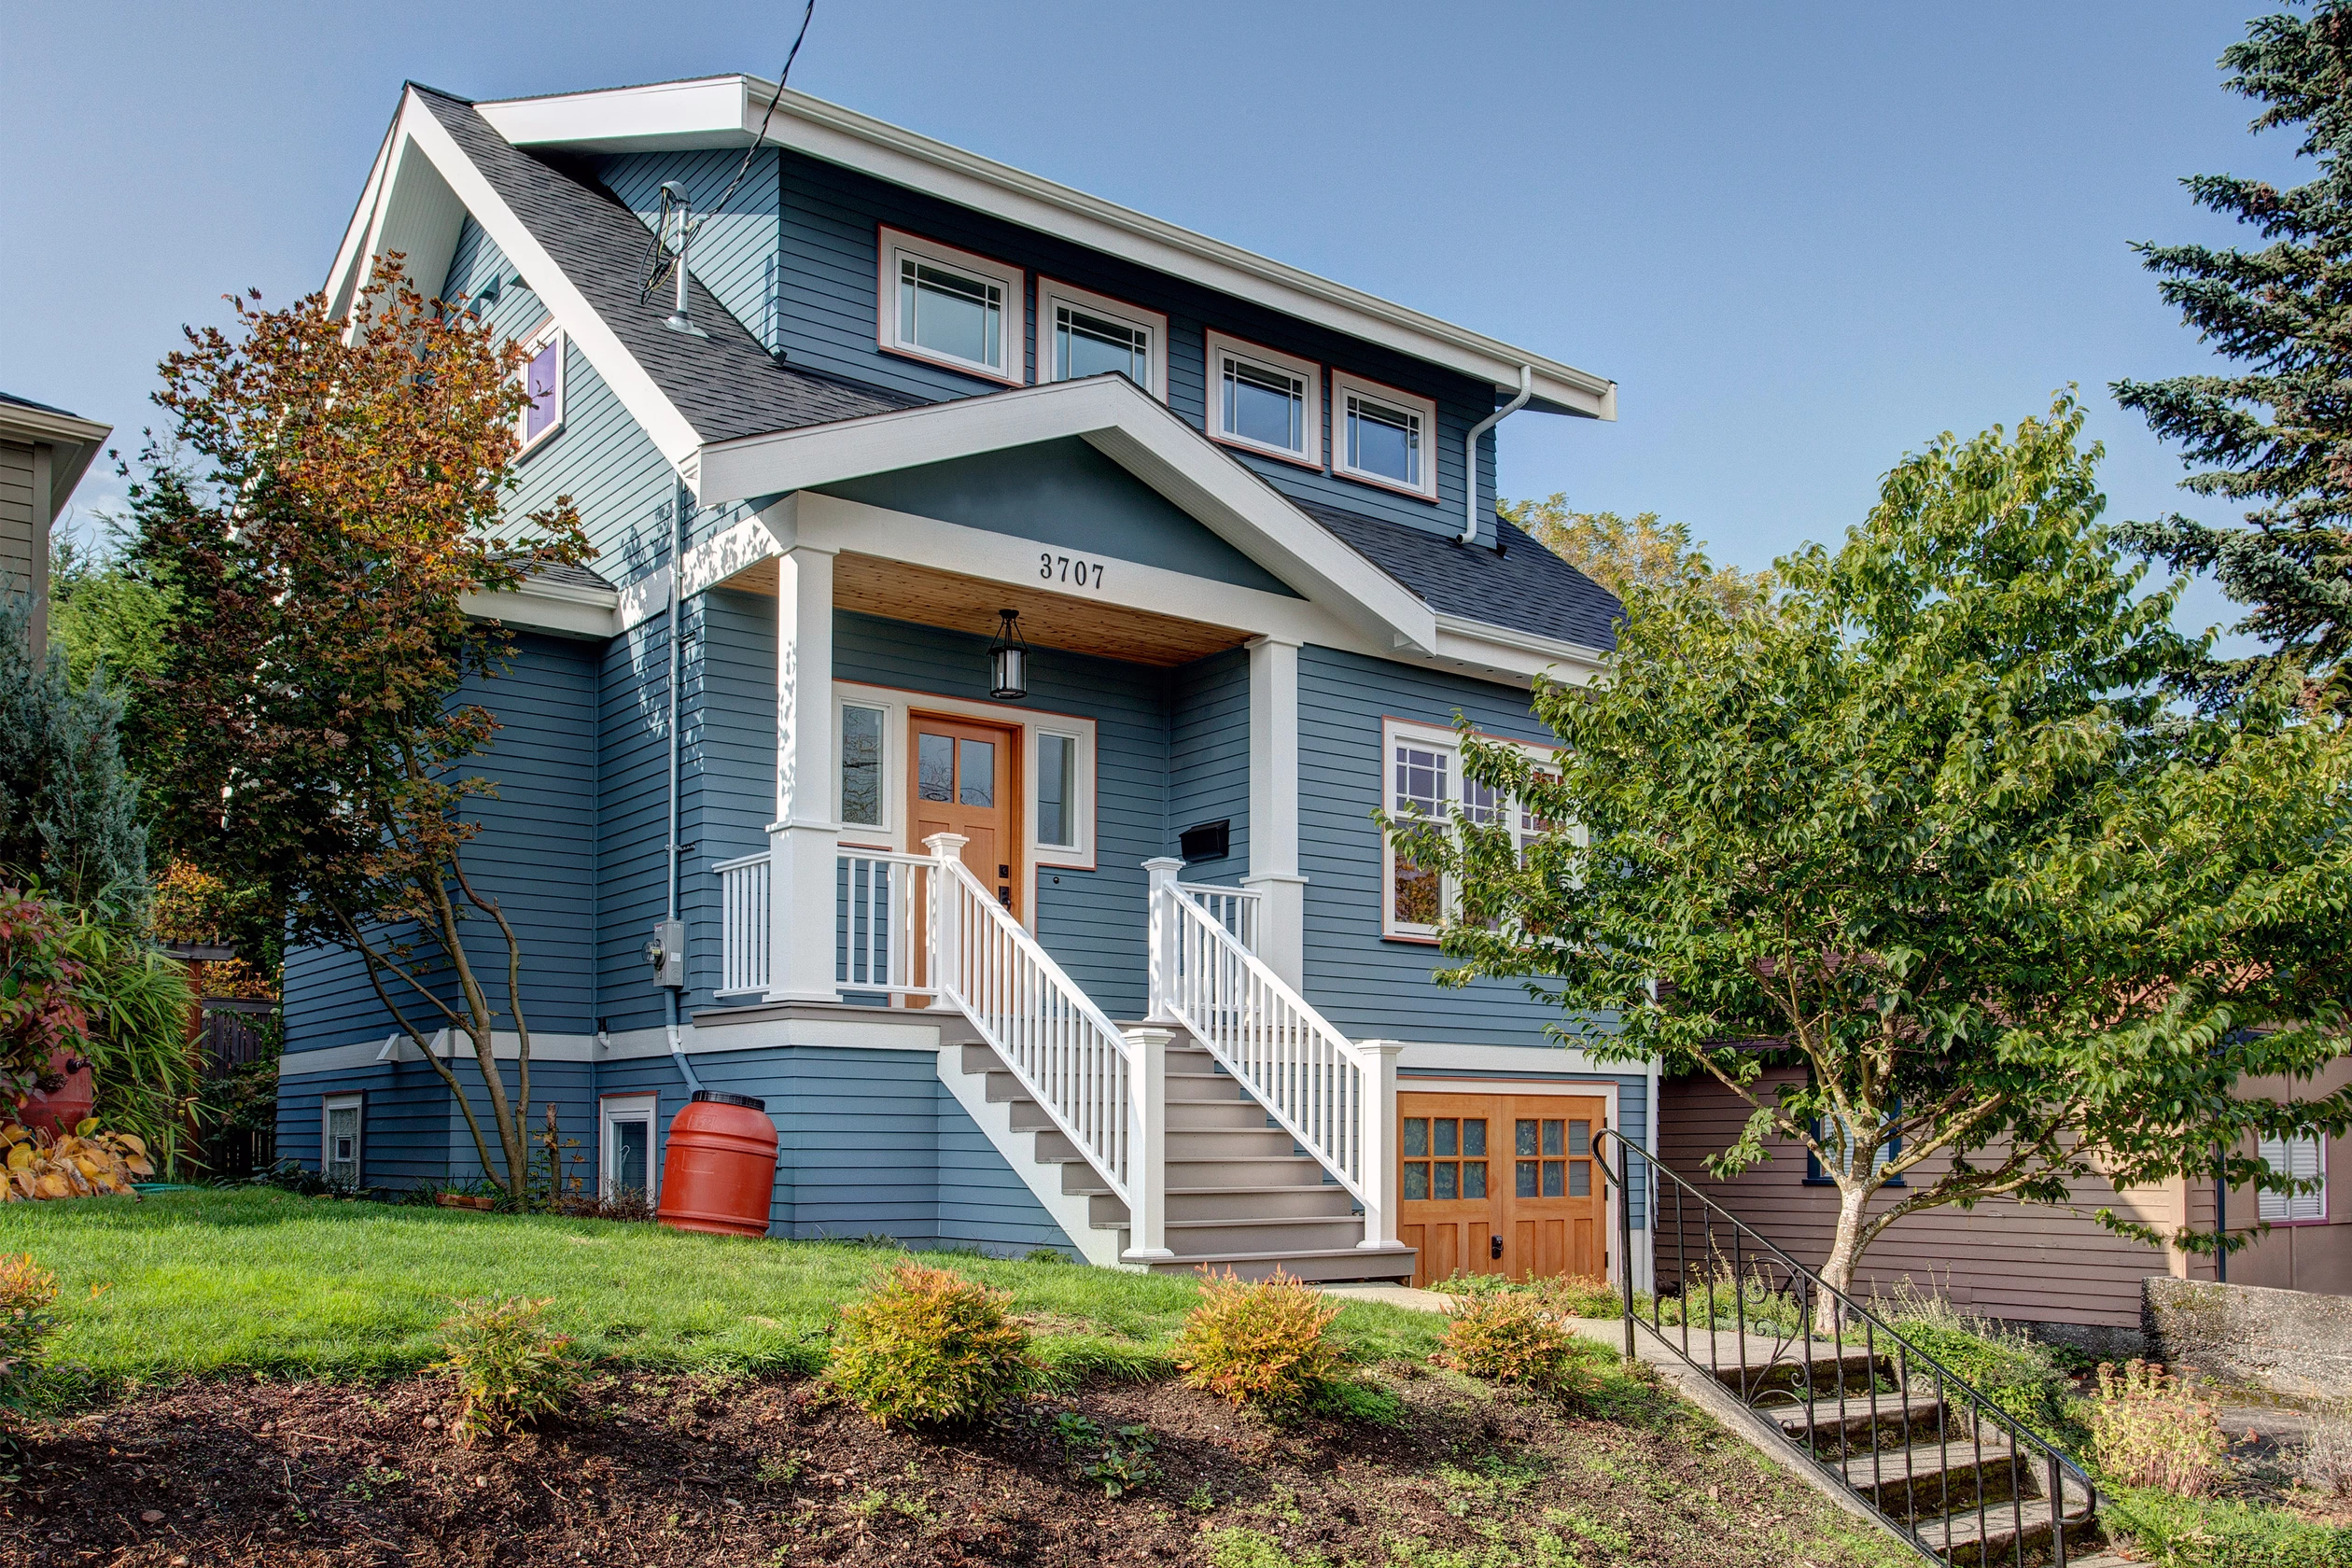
[69, 809]
[342, 491]
[105, 615]
[1927, 827]
[1623, 553]
[2274, 435]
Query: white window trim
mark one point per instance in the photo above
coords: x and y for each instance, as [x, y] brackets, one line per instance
[328, 1105]
[2276, 1208]
[1051, 294]
[899, 704]
[1436, 737]
[1219, 346]
[613, 1110]
[547, 333]
[1342, 384]
[1012, 341]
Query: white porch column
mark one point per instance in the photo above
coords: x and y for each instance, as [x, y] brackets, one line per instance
[1147, 1146]
[1160, 928]
[1379, 1144]
[804, 837]
[1274, 808]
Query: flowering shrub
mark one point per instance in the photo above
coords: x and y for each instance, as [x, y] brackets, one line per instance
[2149, 1429]
[929, 1345]
[1511, 1337]
[26, 1292]
[85, 1164]
[41, 1006]
[510, 1369]
[1262, 1342]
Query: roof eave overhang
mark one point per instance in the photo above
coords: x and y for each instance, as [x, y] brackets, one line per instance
[728, 111]
[73, 441]
[1127, 426]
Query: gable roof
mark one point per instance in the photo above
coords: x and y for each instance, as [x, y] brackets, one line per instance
[1522, 586]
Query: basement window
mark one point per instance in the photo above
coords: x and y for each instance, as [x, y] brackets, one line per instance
[951, 307]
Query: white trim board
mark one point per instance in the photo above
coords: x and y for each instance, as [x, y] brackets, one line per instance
[728, 111]
[1018, 1149]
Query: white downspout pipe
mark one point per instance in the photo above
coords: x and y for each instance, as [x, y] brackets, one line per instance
[1470, 452]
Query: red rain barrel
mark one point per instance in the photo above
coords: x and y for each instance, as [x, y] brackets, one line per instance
[719, 1171]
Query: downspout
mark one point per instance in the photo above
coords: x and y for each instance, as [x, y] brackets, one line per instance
[677, 562]
[1470, 452]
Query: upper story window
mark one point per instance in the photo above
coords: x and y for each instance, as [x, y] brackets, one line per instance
[951, 307]
[1082, 334]
[543, 380]
[1422, 764]
[1265, 401]
[1382, 436]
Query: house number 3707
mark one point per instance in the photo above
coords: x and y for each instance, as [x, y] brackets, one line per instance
[1064, 569]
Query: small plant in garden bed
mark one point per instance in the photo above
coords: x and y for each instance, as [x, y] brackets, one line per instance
[1261, 1342]
[929, 1346]
[27, 1291]
[1120, 1458]
[2149, 1429]
[510, 1369]
[1511, 1338]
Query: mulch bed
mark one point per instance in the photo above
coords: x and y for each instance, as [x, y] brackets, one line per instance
[683, 1471]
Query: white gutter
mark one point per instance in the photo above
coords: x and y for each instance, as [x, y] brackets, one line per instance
[1470, 452]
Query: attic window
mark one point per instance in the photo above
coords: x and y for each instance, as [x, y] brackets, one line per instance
[1082, 334]
[951, 307]
[543, 380]
[1265, 401]
[1383, 436]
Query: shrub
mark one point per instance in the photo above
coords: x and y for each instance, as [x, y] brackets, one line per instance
[2016, 1376]
[1581, 1295]
[1262, 1342]
[2149, 1429]
[2219, 1533]
[26, 1293]
[1721, 1298]
[1511, 1338]
[929, 1346]
[2327, 1459]
[510, 1369]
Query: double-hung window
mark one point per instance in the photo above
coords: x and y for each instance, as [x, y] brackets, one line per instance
[1422, 777]
[543, 383]
[2307, 1161]
[1381, 435]
[1081, 334]
[1265, 401]
[951, 307]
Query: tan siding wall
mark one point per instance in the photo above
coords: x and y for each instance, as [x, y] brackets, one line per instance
[2003, 1259]
[2304, 1257]
[16, 517]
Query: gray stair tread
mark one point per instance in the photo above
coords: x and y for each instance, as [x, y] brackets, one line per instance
[1999, 1528]
[1924, 1461]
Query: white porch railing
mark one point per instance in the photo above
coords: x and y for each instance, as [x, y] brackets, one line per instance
[1240, 910]
[742, 925]
[1336, 1097]
[882, 931]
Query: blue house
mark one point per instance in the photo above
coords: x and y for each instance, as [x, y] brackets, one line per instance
[1010, 611]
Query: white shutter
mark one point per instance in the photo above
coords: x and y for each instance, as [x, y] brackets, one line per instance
[2304, 1160]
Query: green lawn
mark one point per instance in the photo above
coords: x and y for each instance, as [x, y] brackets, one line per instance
[255, 1279]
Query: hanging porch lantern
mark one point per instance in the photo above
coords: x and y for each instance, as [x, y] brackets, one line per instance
[1008, 659]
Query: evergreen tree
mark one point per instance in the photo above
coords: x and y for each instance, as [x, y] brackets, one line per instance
[2277, 435]
[69, 810]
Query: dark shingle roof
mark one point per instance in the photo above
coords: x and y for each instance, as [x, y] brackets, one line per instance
[45, 408]
[573, 577]
[725, 384]
[1523, 586]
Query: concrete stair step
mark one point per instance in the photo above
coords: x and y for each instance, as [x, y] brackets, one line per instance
[1970, 1538]
[1931, 1481]
[1835, 1424]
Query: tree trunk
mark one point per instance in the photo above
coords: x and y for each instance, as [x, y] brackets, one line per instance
[1846, 1251]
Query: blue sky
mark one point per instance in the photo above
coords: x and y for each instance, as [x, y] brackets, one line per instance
[1803, 239]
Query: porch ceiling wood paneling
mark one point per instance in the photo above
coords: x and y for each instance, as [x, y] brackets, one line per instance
[902, 591]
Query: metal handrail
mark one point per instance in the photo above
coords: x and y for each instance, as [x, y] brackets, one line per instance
[1809, 1294]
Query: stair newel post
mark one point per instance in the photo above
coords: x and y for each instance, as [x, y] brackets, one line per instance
[1147, 1144]
[1377, 1134]
[947, 932]
[1162, 870]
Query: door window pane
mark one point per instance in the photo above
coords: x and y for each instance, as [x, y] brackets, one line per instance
[1085, 346]
[1444, 1172]
[1416, 1135]
[1057, 790]
[934, 768]
[1523, 1139]
[862, 766]
[1552, 1179]
[1417, 1181]
[632, 1148]
[976, 768]
[947, 314]
[1579, 1138]
[1579, 1177]
[1444, 1131]
[1384, 441]
[1474, 1179]
[1551, 1136]
[1526, 1176]
[1473, 1135]
[1263, 405]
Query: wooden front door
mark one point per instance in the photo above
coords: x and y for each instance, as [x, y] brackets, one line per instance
[1502, 1184]
[966, 779]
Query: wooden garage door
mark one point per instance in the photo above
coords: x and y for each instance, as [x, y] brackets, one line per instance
[1501, 1184]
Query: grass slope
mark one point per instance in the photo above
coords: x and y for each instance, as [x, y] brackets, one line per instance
[254, 1279]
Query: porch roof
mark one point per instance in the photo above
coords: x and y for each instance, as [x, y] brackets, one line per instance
[1522, 586]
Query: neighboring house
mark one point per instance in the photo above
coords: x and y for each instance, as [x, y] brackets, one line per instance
[1105, 953]
[2024, 1263]
[44, 452]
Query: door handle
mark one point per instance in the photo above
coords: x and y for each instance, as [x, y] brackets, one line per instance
[1494, 1247]
[1004, 897]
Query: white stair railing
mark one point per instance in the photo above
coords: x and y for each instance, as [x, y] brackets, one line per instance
[1092, 1081]
[881, 934]
[1236, 909]
[1335, 1096]
[742, 925]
